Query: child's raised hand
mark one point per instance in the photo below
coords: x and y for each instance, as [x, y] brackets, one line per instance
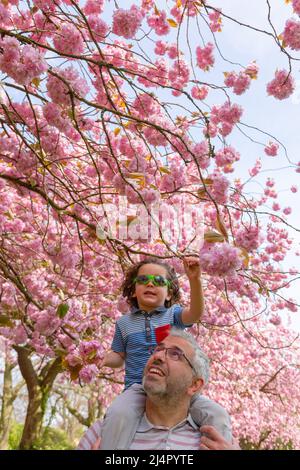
[192, 267]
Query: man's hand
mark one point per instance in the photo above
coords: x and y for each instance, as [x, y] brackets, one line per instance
[192, 267]
[213, 440]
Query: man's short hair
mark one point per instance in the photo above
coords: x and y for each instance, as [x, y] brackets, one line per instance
[200, 360]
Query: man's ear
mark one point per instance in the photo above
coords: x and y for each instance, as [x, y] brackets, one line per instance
[196, 385]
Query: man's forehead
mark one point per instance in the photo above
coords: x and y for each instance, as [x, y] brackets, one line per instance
[181, 343]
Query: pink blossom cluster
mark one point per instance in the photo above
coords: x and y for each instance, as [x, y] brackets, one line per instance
[133, 149]
[155, 75]
[60, 92]
[287, 210]
[296, 6]
[46, 5]
[294, 189]
[215, 21]
[226, 157]
[23, 64]
[98, 26]
[291, 34]
[205, 58]
[271, 149]
[93, 7]
[256, 169]
[176, 179]
[54, 116]
[159, 23]
[179, 75]
[199, 92]
[220, 259]
[5, 17]
[219, 188]
[146, 105]
[248, 237]
[88, 373]
[239, 82]
[46, 321]
[282, 86]
[162, 48]
[252, 70]
[227, 115]
[201, 152]
[69, 40]
[126, 23]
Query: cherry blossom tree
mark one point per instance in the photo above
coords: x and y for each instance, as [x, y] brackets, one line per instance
[111, 132]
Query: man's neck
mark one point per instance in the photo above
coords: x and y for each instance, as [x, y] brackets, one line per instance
[165, 413]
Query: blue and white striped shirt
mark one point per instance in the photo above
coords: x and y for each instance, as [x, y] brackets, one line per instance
[135, 336]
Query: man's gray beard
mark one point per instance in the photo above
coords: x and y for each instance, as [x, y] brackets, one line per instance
[166, 393]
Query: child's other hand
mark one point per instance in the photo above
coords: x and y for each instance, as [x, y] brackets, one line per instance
[192, 267]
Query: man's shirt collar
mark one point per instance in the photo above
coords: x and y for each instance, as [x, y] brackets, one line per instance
[145, 424]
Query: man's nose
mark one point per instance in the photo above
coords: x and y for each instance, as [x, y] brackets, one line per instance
[159, 355]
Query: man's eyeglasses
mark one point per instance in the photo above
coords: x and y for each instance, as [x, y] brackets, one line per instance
[173, 353]
[156, 280]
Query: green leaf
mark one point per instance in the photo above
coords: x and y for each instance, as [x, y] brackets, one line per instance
[62, 310]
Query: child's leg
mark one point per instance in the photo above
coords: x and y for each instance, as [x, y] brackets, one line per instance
[206, 411]
[122, 419]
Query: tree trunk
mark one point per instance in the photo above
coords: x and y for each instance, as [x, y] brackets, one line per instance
[39, 387]
[7, 405]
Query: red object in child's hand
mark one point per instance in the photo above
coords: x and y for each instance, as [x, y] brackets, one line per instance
[161, 332]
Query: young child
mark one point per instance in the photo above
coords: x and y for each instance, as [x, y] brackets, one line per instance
[152, 290]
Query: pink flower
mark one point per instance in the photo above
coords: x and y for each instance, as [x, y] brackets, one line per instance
[159, 23]
[73, 359]
[248, 238]
[173, 51]
[46, 5]
[98, 26]
[291, 34]
[199, 93]
[282, 86]
[296, 6]
[252, 70]
[53, 115]
[20, 335]
[160, 47]
[218, 190]
[220, 259]
[59, 92]
[240, 83]
[215, 21]
[93, 7]
[205, 58]
[201, 152]
[256, 169]
[276, 206]
[287, 210]
[127, 22]
[227, 156]
[21, 63]
[275, 320]
[294, 189]
[271, 149]
[69, 40]
[88, 373]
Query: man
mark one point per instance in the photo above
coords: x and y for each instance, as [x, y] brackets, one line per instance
[176, 371]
